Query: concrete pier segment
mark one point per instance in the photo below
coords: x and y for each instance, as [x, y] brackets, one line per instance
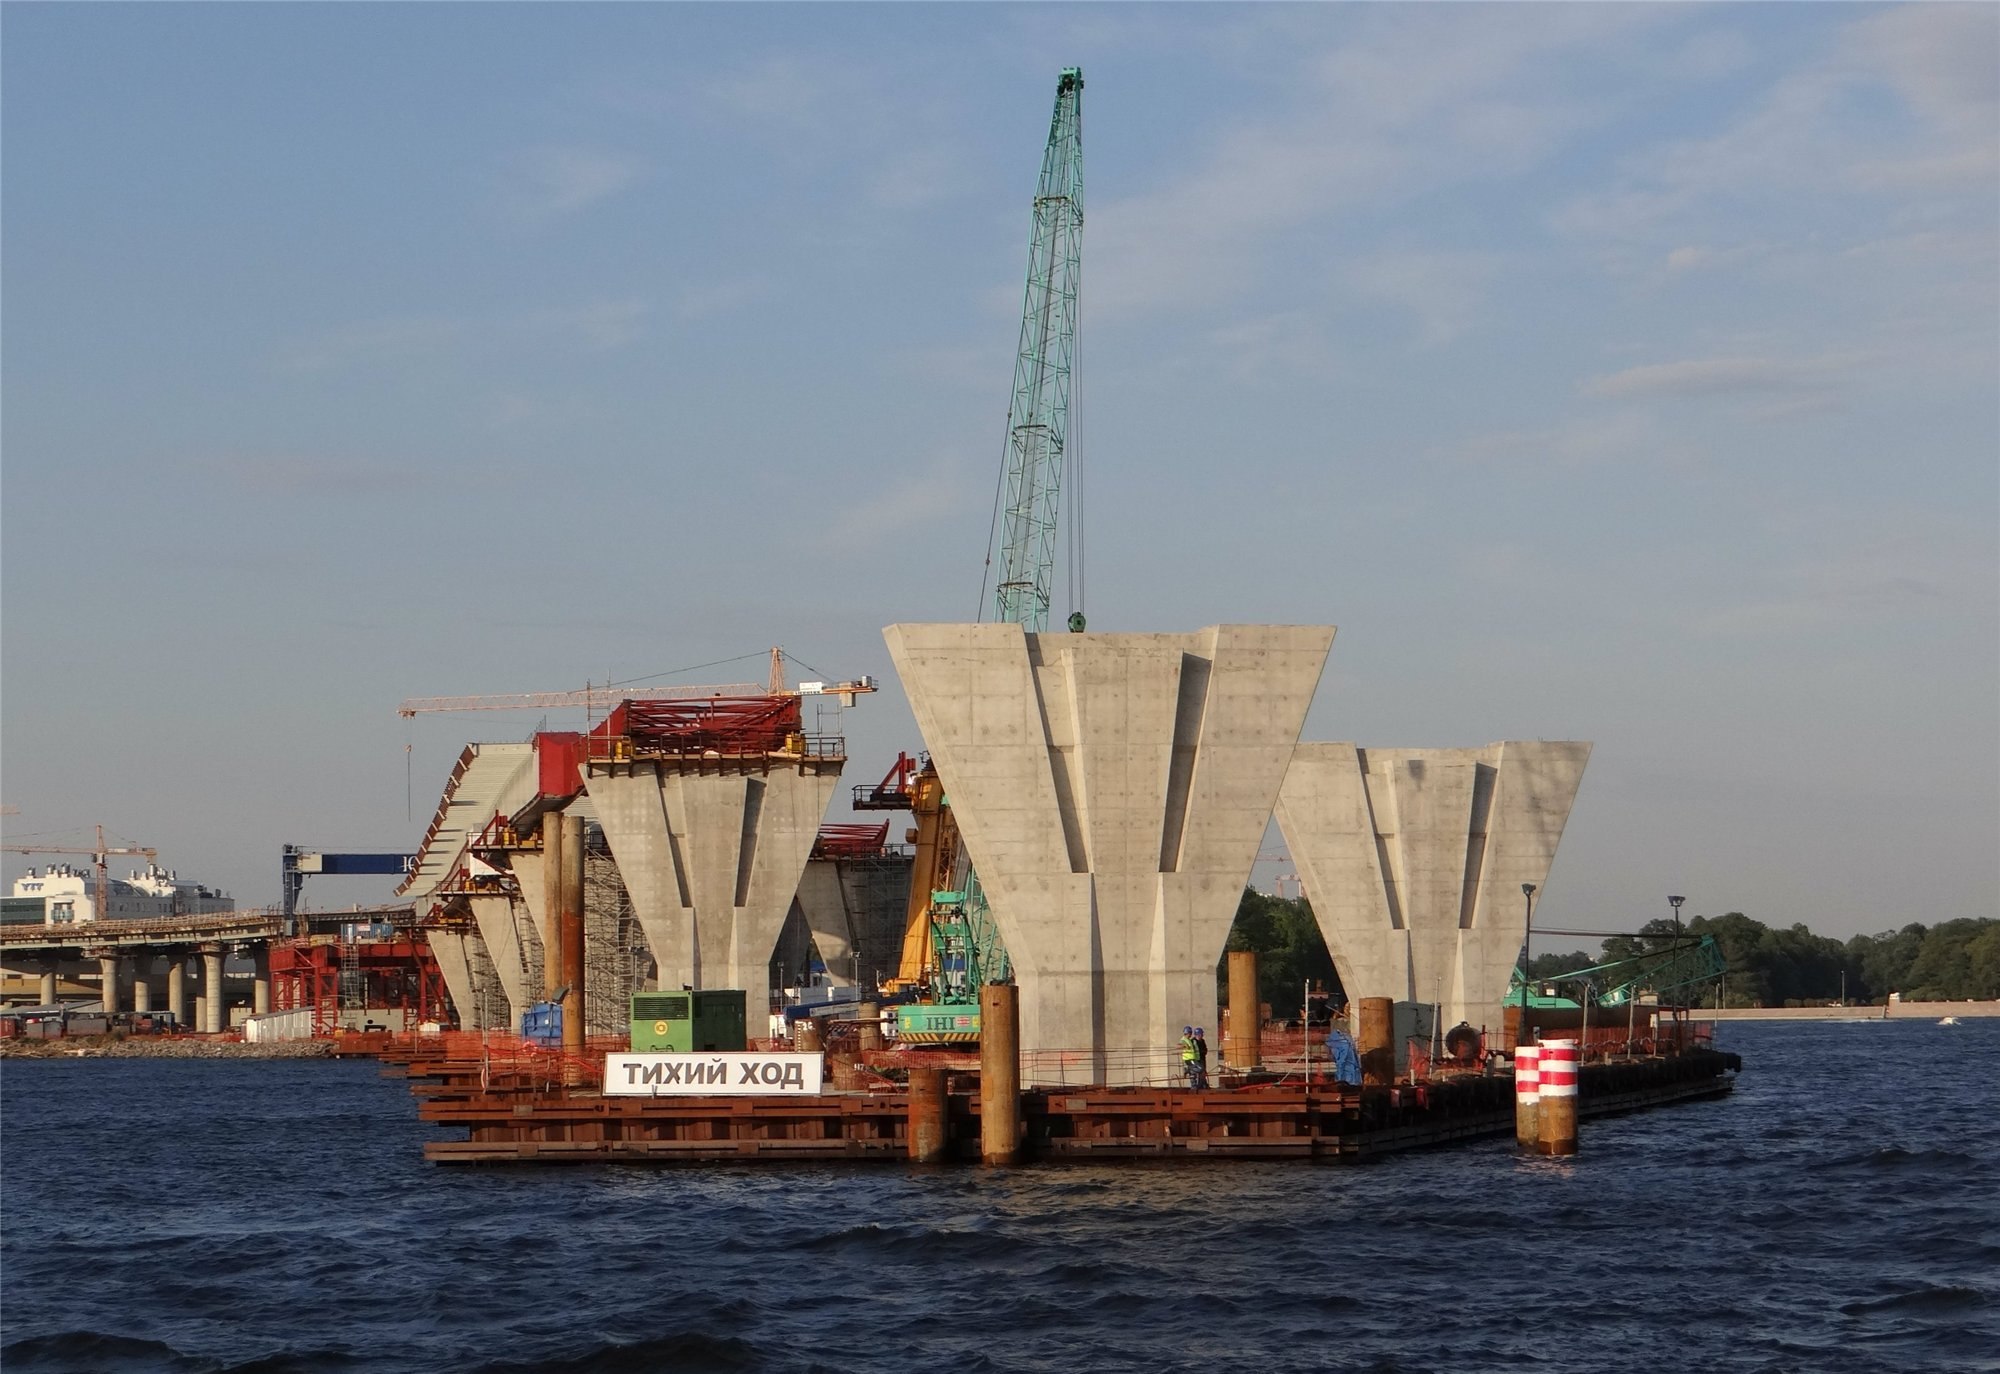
[823, 903]
[500, 918]
[455, 968]
[1112, 791]
[711, 859]
[1413, 860]
[855, 909]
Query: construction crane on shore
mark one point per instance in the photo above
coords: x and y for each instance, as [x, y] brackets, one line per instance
[98, 855]
[598, 700]
[951, 944]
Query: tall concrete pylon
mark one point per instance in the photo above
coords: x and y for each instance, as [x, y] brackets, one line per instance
[1112, 791]
[711, 859]
[1413, 860]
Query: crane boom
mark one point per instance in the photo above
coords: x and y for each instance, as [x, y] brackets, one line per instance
[1039, 407]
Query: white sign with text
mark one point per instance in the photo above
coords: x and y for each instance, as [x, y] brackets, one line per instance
[715, 1072]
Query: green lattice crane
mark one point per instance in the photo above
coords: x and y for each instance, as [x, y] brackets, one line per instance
[1038, 410]
[964, 946]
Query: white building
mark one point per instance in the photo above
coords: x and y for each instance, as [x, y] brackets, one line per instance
[69, 895]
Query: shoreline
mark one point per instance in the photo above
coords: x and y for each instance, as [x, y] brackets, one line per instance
[1895, 1011]
[163, 1047]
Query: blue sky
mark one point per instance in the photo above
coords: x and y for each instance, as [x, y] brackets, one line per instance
[1605, 372]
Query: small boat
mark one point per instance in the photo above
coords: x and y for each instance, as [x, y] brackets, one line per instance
[1949, 1021]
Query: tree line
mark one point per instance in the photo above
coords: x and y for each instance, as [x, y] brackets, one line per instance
[1780, 967]
[1768, 966]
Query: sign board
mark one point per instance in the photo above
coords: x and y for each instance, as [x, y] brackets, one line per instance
[715, 1073]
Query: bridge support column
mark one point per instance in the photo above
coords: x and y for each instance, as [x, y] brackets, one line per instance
[260, 987]
[142, 991]
[49, 986]
[177, 989]
[107, 977]
[215, 1006]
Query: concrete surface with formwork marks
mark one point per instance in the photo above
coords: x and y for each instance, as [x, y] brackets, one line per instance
[1112, 791]
[1413, 861]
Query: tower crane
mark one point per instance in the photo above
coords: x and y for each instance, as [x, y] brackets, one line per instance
[97, 855]
[951, 943]
[596, 699]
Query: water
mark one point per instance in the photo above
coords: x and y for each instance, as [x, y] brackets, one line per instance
[1840, 1213]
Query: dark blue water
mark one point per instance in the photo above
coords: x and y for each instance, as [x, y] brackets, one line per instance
[1841, 1212]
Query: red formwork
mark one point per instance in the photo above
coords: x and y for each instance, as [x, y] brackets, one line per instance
[847, 841]
[717, 725]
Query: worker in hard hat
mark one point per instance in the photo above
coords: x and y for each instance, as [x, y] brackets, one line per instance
[1201, 1058]
[1190, 1058]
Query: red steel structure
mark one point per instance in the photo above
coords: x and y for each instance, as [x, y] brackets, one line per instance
[397, 976]
[851, 841]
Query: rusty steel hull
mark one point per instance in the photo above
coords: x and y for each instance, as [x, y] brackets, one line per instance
[513, 1118]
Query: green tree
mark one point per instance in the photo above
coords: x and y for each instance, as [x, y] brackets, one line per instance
[1555, 965]
[1982, 961]
[1290, 951]
[1942, 970]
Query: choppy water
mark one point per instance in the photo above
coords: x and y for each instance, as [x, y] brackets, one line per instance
[1841, 1213]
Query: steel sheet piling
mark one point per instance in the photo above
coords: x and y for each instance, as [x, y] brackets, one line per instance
[1244, 1048]
[1558, 1105]
[552, 890]
[1372, 1040]
[929, 1113]
[572, 935]
[1527, 1096]
[999, 1073]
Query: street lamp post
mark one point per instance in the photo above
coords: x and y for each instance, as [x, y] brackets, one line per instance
[1675, 903]
[1527, 958]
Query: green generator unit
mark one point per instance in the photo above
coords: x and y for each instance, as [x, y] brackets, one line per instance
[689, 1022]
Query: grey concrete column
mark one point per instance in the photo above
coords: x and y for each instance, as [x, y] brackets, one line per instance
[215, 1006]
[177, 988]
[48, 987]
[260, 996]
[142, 991]
[107, 973]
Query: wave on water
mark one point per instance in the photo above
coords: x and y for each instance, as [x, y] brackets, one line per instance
[1834, 1216]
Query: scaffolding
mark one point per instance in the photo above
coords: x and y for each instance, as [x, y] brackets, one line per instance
[490, 1008]
[617, 961]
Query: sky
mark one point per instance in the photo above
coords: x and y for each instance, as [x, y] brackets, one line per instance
[1605, 372]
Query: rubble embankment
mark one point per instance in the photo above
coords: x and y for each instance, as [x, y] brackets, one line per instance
[161, 1047]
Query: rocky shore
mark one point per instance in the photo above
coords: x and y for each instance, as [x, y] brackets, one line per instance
[161, 1047]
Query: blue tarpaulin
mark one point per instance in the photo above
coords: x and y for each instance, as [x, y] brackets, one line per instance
[1346, 1063]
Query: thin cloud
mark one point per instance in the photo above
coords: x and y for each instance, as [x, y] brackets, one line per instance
[1708, 377]
[546, 183]
[397, 339]
[294, 474]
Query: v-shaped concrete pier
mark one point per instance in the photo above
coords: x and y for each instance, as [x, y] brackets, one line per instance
[1413, 860]
[711, 858]
[1112, 790]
